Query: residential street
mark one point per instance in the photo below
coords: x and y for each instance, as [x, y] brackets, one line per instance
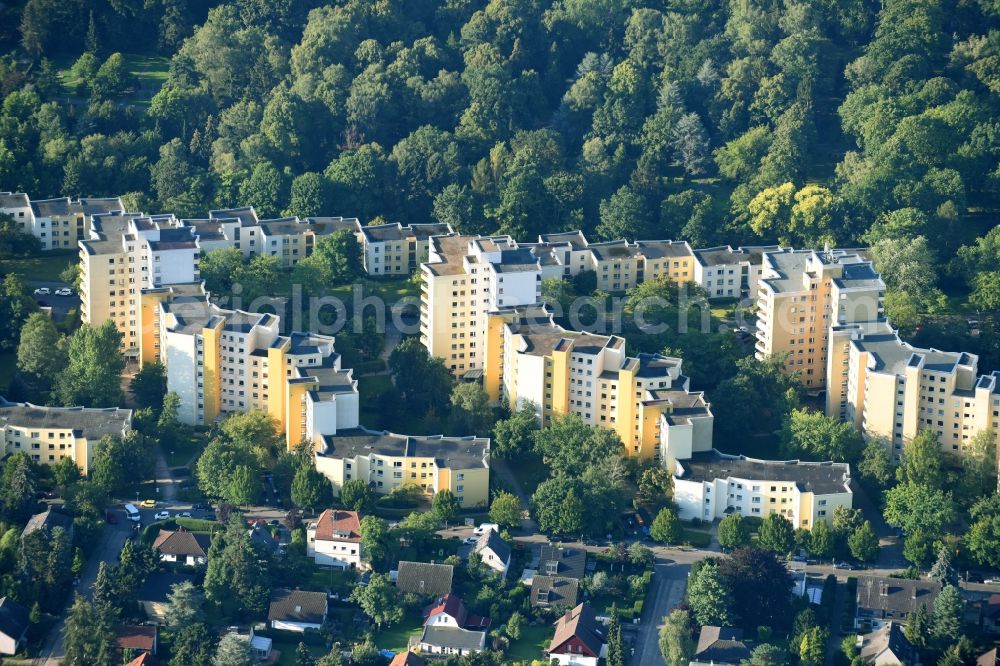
[666, 591]
[112, 541]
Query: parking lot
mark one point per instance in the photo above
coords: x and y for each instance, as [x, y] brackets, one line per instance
[61, 305]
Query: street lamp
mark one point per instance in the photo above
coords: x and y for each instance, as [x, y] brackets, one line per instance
[137, 497]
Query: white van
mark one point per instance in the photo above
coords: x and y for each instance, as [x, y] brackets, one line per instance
[132, 513]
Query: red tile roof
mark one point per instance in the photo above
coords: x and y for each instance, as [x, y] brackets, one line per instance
[137, 637]
[338, 525]
[144, 659]
[406, 659]
[452, 606]
[182, 543]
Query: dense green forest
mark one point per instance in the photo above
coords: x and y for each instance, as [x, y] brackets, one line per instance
[739, 121]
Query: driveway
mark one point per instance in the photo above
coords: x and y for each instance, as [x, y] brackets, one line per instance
[112, 539]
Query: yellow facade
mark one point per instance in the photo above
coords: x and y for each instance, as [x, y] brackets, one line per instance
[801, 294]
[563, 372]
[50, 434]
[387, 461]
[893, 391]
[212, 378]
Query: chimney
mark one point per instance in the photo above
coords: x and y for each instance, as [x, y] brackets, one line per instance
[883, 589]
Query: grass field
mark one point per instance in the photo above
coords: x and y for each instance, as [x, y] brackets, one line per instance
[531, 644]
[46, 267]
[396, 638]
[178, 456]
[697, 538]
[147, 72]
[288, 648]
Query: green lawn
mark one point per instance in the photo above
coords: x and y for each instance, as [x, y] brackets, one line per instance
[329, 579]
[531, 644]
[288, 648]
[178, 456]
[45, 267]
[697, 538]
[396, 638]
[148, 74]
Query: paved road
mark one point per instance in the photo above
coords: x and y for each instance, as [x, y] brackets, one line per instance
[112, 539]
[665, 591]
[166, 484]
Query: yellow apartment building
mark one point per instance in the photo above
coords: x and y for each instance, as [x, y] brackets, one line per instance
[222, 361]
[465, 278]
[59, 224]
[49, 434]
[645, 399]
[125, 254]
[889, 389]
[711, 485]
[802, 293]
[386, 461]
[394, 249]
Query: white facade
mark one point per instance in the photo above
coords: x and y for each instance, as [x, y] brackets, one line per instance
[575, 659]
[298, 627]
[813, 496]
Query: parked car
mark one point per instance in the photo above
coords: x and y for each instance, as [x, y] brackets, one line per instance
[799, 558]
[470, 540]
[184, 514]
[846, 566]
[202, 507]
[274, 522]
[486, 527]
[64, 291]
[992, 581]
[162, 515]
[43, 291]
[148, 504]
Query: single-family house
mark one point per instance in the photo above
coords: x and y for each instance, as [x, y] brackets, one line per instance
[444, 640]
[137, 637]
[562, 562]
[13, 625]
[449, 611]
[155, 591]
[297, 610]
[426, 580]
[720, 646]
[551, 591]
[883, 599]
[261, 537]
[887, 645]
[334, 539]
[182, 546]
[407, 659]
[144, 659]
[580, 640]
[260, 646]
[493, 551]
[48, 520]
